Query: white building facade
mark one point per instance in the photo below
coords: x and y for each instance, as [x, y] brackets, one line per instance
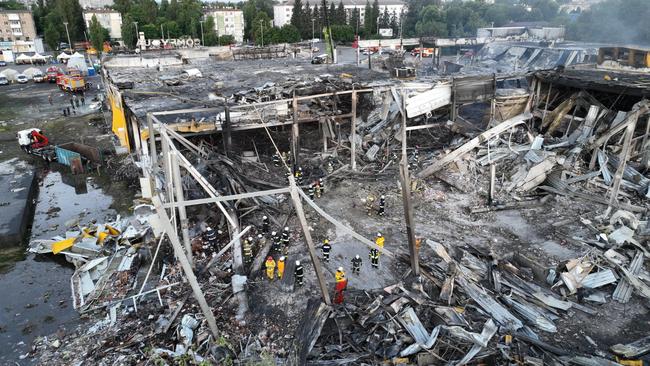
[228, 22]
[109, 19]
[282, 12]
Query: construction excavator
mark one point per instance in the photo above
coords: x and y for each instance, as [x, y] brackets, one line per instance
[34, 142]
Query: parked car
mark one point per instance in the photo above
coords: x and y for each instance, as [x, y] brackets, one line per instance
[368, 52]
[3, 80]
[2, 64]
[22, 79]
[39, 77]
[320, 59]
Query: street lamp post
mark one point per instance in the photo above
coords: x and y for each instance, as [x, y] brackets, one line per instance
[312, 38]
[379, 17]
[262, 28]
[137, 34]
[162, 32]
[68, 33]
[202, 38]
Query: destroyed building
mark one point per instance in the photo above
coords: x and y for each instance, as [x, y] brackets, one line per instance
[515, 219]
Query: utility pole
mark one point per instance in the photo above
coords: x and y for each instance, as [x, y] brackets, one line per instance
[202, 38]
[312, 38]
[137, 34]
[68, 33]
[162, 32]
[262, 28]
[405, 181]
[379, 17]
[401, 21]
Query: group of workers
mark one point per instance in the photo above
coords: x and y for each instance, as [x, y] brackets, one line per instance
[341, 281]
[369, 203]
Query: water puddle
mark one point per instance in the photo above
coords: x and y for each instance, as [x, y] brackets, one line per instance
[39, 301]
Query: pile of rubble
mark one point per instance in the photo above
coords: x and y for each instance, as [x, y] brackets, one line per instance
[470, 307]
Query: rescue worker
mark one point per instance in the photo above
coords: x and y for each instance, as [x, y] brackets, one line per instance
[327, 248]
[265, 225]
[356, 264]
[330, 167]
[369, 203]
[261, 240]
[210, 236]
[285, 240]
[380, 241]
[298, 176]
[276, 160]
[311, 191]
[248, 249]
[318, 189]
[298, 273]
[276, 242]
[280, 267]
[341, 285]
[270, 267]
[321, 184]
[382, 205]
[374, 257]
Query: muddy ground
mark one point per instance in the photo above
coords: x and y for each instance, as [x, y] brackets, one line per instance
[40, 285]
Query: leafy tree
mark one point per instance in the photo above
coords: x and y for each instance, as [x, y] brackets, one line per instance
[375, 16]
[432, 22]
[123, 6]
[226, 39]
[12, 5]
[355, 20]
[367, 19]
[341, 16]
[210, 32]
[384, 20]
[343, 33]
[394, 24]
[288, 34]
[150, 31]
[249, 12]
[164, 5]
[97, 34]
[261, 28]
[318, 25]
[128, 32]
[52, 36]
[331, 13]
[172, 29]
[297, 19]
[172, 10]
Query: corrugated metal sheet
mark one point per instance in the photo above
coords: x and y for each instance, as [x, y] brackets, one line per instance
[624, 289]
[66, 157]
[598, 279]
[427, 101]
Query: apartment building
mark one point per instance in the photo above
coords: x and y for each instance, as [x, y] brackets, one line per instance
[282, 12]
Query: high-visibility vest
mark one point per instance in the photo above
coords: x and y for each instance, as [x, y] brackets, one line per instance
[380, 241]
[340, 276]
[270, 264]
[280, 268]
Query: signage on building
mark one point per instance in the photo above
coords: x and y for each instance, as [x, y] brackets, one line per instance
[169, 43]
[386, 32]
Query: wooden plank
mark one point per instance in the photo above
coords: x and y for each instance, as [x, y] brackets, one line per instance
[625, 152]
[186, 266]
[473, 143]
[178, 189]
[310, 243]
[408, 215]
[203, 201]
